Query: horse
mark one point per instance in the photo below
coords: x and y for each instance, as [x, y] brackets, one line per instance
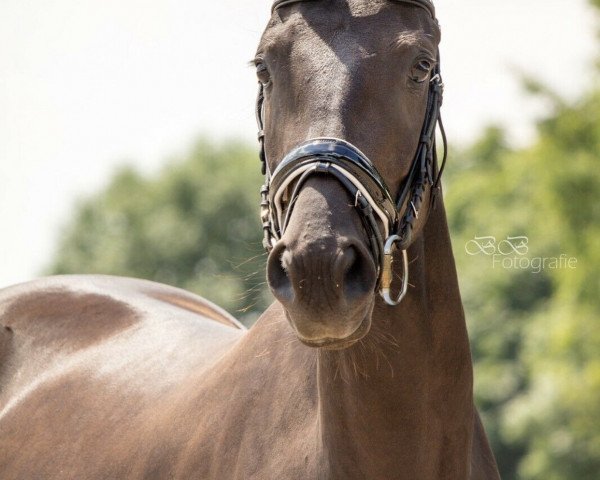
[360, 369]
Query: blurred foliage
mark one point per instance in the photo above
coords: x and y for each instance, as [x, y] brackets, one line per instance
[535, 334]
[195, 225]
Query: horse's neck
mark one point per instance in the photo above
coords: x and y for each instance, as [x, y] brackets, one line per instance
[400, 402]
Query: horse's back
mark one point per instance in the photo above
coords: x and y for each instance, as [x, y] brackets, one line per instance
[90, 358]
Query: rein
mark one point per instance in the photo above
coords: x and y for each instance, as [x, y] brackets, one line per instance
[357, 174]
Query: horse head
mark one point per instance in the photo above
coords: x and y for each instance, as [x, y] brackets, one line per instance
[348, 103]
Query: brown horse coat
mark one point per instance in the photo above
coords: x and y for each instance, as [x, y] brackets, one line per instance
[112, 378]
[104, 377]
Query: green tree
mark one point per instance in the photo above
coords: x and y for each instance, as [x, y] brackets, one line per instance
[194, 225]
[535, 334]
[558, 416]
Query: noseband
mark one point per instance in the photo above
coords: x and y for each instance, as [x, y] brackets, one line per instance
[357, 174]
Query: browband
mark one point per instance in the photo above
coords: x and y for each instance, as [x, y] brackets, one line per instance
[426, 4]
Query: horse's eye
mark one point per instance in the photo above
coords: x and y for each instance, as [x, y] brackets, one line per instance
[262, 73]
[421, 70]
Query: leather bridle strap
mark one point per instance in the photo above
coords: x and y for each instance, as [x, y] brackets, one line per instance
[422, 171]
[364, 206]
[282, 3]
[260, 101]
[351, 168]
[426, 4]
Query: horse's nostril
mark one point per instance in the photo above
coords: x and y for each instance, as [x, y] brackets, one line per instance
[277, 277]
[308, 275]
[357, 271]
[344, 263]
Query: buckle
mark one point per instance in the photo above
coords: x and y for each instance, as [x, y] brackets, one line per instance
[387, 273]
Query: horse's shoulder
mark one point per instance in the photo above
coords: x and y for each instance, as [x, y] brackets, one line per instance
[110, 303]
[49, 319]
[59, 329]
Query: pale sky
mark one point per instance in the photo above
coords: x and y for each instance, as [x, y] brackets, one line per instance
[86, 85]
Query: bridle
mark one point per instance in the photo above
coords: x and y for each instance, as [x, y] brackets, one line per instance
[357, 174]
